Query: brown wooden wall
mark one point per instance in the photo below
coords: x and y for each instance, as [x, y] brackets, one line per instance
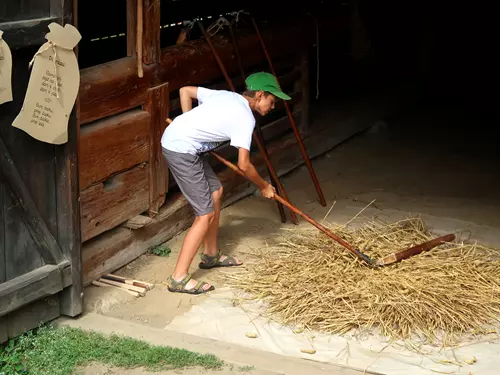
[122, 116]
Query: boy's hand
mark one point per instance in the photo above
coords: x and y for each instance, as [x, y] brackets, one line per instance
[268, 191]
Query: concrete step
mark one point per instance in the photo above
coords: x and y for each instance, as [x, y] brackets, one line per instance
[262, 362]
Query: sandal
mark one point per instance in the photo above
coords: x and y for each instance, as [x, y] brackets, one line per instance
[208, 261]
[180, 286]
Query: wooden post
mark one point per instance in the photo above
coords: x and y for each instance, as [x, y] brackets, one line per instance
[158, 106]
[151, 31]
[131, 27]
[140, 19]
[68, 207]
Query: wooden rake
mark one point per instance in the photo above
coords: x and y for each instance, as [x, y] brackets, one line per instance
[389, 259]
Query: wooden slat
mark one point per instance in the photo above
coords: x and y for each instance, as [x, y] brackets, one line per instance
[68, 217]
[157, 105]
[2, 232]
[42, 282]
[32, 315]
[131, 27]
[21, 255]
[45, 242]
[111, 88]
[151, 31]
[113, 145]
[106, 205]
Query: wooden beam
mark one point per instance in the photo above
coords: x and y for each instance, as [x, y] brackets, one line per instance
[68, 207]
[193, 62]
[111, 88]
[157, 105]
[17, 292]
[111, 203]
[137, 222]
[151, 31]
[68, 217]
[131, 27]
[45, 242]
[113, 145]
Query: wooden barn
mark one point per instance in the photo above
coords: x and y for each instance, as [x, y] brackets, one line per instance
[74, 210]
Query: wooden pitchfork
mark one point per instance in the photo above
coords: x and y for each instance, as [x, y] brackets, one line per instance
[390, 259]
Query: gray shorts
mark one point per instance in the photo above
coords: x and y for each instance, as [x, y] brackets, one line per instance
[195, 178]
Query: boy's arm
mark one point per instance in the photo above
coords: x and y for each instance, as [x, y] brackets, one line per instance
[266, 189]
[186, 95]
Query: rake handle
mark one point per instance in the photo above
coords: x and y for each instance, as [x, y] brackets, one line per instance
[296, 210]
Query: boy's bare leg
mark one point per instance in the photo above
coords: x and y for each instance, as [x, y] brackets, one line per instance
[211, 242]
[190, 246]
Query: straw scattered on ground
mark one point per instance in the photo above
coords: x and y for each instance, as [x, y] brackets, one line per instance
[437, 297]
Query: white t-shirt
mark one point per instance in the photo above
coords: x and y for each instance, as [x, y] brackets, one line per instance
[219, 117]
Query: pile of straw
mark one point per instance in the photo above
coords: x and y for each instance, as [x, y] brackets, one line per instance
[437, 297]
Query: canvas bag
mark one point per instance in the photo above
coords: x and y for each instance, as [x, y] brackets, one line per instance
[5, 71]
[53, 87]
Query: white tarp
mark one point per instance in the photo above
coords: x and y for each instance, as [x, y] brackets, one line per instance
[217, 318]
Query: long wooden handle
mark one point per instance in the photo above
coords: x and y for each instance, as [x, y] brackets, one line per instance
[415, 250]
[140, 19]
[299, 212]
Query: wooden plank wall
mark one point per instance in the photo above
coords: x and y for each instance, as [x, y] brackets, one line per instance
[122, 116]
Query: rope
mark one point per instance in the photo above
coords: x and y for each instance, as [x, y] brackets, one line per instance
[236, 15]
[219, 24]
[48, 45]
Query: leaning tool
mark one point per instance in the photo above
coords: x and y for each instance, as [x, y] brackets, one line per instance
[390, 259]
[257, 139]
[258, 129]
[292, 122]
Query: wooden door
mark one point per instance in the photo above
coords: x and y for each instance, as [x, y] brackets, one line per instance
[40, 262]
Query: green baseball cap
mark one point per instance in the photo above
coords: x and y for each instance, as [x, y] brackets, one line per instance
[263, 81]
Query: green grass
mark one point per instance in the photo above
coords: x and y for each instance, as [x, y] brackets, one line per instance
[59, 351]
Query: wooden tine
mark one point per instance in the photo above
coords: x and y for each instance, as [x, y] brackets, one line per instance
[138, 289]
[101, 284]
[142, 284]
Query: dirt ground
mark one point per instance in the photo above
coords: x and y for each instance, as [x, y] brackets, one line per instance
[422, 161]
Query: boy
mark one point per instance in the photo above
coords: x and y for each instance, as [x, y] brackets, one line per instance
[219, 117]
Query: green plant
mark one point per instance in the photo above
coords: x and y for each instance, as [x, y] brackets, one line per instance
[10, 360]
[162, 251]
